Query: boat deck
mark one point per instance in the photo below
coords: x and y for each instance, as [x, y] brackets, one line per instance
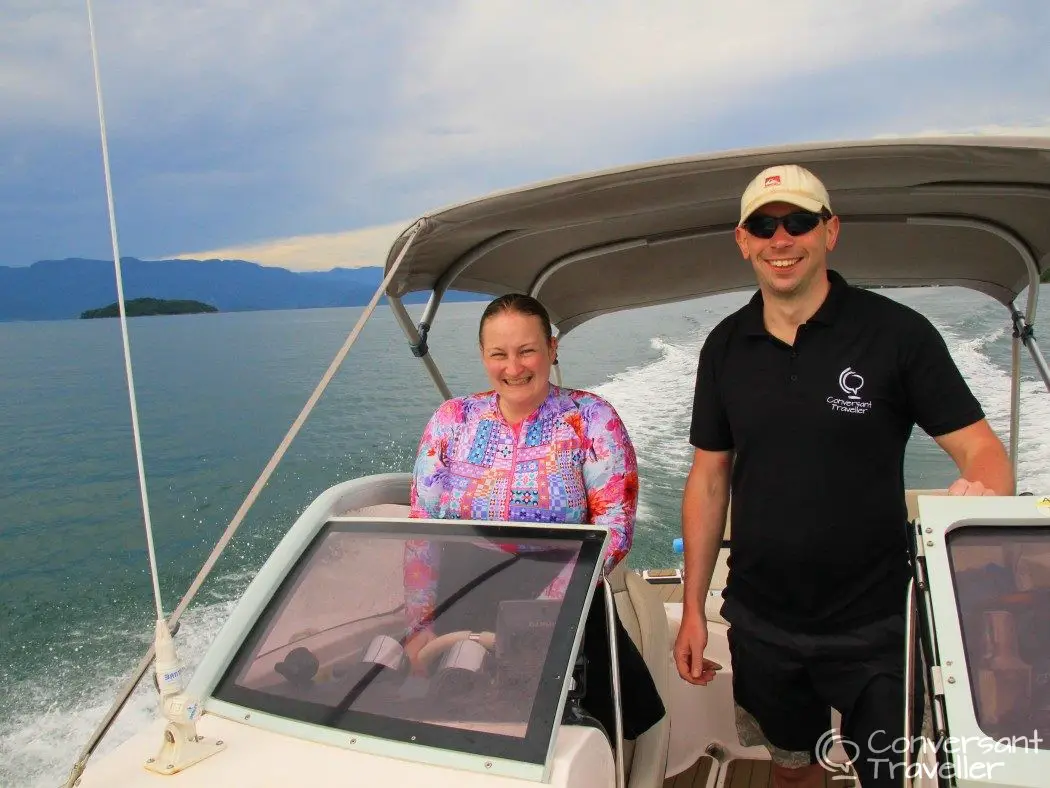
[740, 774]
[669, 592]
[693, 777]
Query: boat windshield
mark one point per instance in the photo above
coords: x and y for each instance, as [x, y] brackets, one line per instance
[1002, 588]
[447, 634]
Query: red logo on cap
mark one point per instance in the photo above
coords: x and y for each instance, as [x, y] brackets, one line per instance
[772, 180]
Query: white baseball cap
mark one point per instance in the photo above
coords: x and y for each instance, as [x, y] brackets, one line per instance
[788, 183]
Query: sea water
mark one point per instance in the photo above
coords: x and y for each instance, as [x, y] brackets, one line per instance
[216, 395]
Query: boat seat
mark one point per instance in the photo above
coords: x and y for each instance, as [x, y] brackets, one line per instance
[641, 610]
[713, 607]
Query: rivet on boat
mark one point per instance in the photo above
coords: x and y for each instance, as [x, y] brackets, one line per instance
[353, 741]
[929, 543]
[488, 764]
[929, 530]
[218, 743]
[951, 679]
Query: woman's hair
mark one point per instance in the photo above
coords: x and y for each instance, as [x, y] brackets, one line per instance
[520, 303]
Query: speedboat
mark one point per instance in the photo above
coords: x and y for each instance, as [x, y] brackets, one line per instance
[309, 683]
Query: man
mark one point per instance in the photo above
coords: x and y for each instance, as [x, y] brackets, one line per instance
[805, 399]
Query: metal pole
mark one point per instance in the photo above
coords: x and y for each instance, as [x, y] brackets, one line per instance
[1015, 401]
[614, 672]
[418, 344]
[1024, 332]
[909, 670]
[1040, 362]
[430, 310]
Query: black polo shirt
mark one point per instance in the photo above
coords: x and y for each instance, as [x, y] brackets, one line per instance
[818, 430]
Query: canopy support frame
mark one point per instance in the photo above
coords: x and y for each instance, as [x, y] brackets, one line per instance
[1022, 326]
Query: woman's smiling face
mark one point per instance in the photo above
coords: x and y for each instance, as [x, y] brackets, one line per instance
[517, 355]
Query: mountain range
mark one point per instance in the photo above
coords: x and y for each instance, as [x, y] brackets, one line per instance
[62, 289]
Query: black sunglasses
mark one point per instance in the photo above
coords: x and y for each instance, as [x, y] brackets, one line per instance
[796, 223]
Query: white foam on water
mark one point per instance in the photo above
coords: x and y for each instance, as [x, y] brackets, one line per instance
[990, 383]
[655, 401]
[52, 719]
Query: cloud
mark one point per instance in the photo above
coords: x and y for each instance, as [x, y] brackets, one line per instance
[352, 249]
[227, 59]
[498, 79]
[991, 130]
[236, 121]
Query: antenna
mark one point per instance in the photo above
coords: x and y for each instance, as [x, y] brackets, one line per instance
[124, 320]
[181, 747]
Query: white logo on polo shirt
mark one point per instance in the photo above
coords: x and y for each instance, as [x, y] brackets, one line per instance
[851, 382]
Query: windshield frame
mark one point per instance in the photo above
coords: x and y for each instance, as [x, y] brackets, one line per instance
[528, 757]
[942, 519]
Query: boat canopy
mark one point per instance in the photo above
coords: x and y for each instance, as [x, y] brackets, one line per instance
[969, 211]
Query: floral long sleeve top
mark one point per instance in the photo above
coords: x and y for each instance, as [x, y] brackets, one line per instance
[571, 461]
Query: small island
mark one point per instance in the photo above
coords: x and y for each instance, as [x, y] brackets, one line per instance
[141, 307]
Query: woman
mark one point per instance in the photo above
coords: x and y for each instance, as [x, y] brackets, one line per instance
[534, 452]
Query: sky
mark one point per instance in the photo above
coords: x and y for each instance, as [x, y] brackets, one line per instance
[307, 135]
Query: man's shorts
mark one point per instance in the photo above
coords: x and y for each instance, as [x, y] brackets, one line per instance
[786, 683]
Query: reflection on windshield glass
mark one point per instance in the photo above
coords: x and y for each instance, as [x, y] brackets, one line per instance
[1002, 581]
[459, 639]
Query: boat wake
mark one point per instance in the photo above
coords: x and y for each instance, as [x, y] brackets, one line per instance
[655, 401]
[51, 717]
[990, 383]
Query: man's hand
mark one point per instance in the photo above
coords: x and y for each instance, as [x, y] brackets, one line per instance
[966, 487]
[689, 651]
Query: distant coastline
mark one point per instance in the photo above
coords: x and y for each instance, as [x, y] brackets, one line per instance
[65, 289]
[142, 307]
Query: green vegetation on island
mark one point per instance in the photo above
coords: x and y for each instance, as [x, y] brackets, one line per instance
[141, 307]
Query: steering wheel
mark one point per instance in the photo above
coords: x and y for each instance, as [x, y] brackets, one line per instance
[439, 645]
